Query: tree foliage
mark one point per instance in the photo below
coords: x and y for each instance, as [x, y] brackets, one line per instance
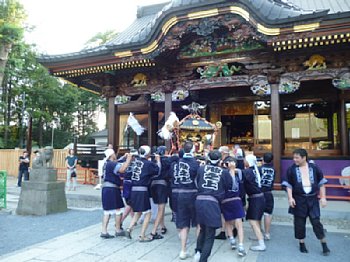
[33, 92]
[29, 91]
[11, 17]
[100, 39]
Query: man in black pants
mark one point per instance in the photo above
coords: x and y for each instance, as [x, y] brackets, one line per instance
[23, 170]
[304, 181]
[212, 181]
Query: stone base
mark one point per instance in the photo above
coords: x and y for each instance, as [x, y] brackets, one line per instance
[41, 195]
[43, 175]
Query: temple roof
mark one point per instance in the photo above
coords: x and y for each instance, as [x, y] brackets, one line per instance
[335, 7]
[268, 12]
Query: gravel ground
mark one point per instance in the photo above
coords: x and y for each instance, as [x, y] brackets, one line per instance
[17, 232]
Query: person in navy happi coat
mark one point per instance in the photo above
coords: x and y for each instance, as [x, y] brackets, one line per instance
[303, 183]
[143, 171]
[212, 181]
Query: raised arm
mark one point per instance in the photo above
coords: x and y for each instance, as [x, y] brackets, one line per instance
[125, 165]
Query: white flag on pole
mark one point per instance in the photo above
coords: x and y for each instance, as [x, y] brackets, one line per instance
[134, 124]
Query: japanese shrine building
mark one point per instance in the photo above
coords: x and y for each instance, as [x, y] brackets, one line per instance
[275, 73]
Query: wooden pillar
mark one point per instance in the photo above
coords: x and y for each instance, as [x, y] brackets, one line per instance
[152, 125]
[215, 116]
[344, 138]
[276, 122]
[113, 124]
[167, 110]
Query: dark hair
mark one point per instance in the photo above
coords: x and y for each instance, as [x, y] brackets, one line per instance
[161, 150]
[214, 155]
[268, 157]
[188, 147]
[230, 159]
[142, 151]
[301, 152]
[25, 151]
[154, 149]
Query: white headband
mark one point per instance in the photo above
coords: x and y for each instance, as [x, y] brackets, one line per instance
[146, 149]
[213, 161]
[251, 160]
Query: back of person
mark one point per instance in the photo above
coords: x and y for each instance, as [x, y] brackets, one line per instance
[267, 173]
[109, 173]
[251, 184]
[143, 170]
[186, 172]
[236, 186]
[213, 180]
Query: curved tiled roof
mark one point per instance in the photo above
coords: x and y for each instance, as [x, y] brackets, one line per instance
[334, 6]
[270, 12]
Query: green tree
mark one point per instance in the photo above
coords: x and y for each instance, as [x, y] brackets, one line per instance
[30, 92]
[11, 17]
[35, 93]
[100, 39]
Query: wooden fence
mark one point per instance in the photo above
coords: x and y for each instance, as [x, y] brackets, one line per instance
[9, 159]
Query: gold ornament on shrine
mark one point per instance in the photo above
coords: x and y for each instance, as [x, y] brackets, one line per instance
[139, 80]
[315, 62]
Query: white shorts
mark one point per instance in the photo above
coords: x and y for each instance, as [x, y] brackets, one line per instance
[114, 212]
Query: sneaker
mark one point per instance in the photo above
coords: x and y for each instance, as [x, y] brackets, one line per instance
[241, 251]
[267, 236]
[106, 236]
[120, 233]
[233, 243]
[221, 236]
[183, 255]
[258, 248]
[197, 257]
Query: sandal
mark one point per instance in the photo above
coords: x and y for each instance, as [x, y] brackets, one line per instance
[163, 230]
[144, 239]
[128, 233]
[156, 236]
[106, 236]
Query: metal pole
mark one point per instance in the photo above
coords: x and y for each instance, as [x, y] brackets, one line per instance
[29, 136]
[53, 129]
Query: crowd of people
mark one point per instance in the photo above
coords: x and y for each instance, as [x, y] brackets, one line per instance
[219, 192]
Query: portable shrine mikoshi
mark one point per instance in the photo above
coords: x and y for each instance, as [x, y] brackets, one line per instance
[192, 128]
[198, 130]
